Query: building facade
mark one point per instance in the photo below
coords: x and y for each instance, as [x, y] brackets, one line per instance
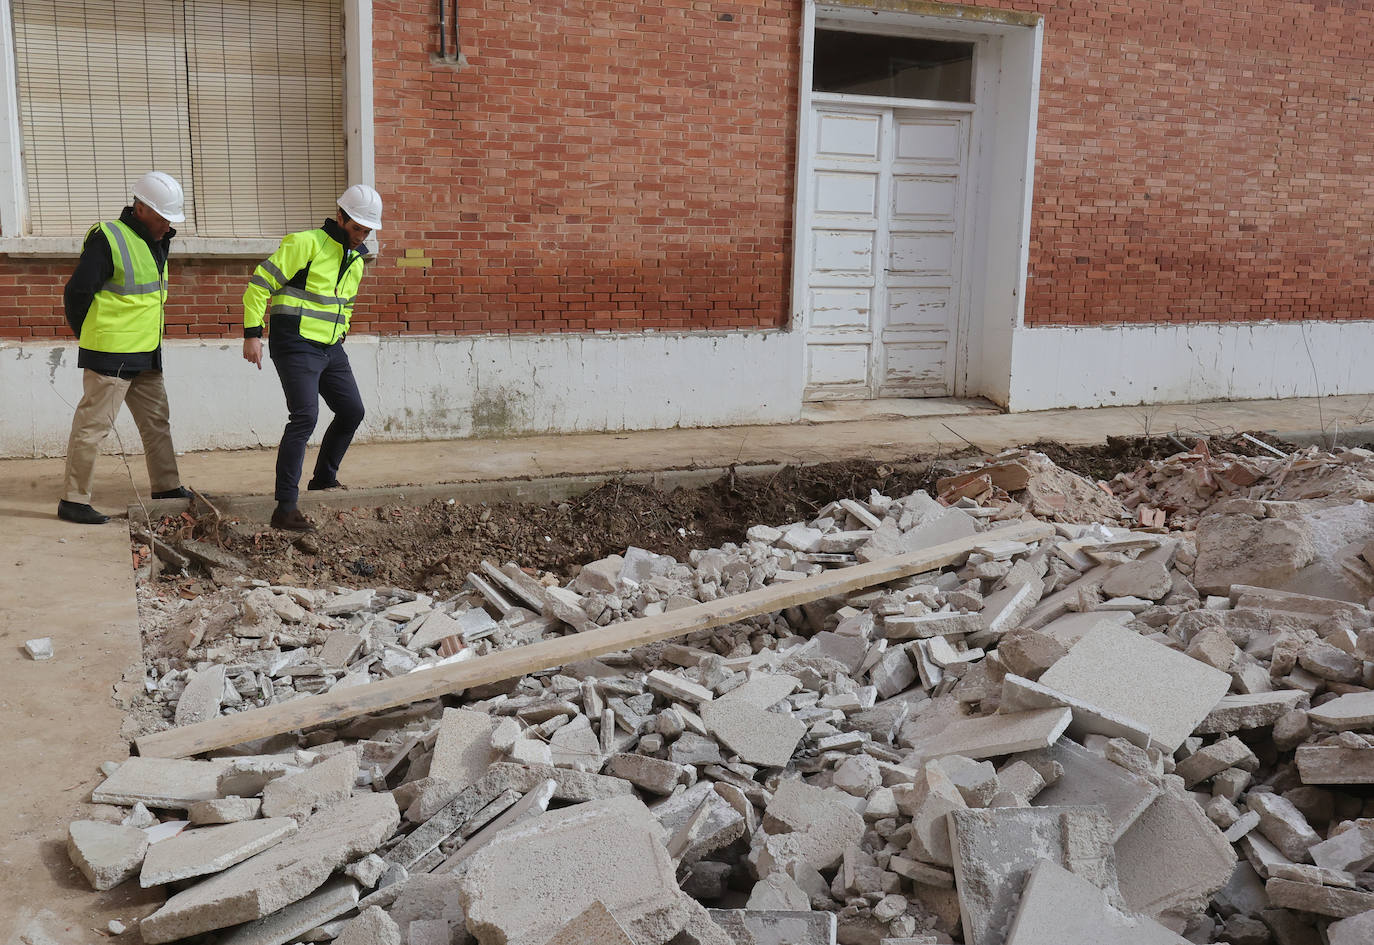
[617, 215]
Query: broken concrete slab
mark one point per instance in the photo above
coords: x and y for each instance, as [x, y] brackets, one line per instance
[530, 806]
[570, 785]
[287, 924]
[462, 749]
[1249, 710]
[1356, 930]
[926, 626]
[1058, 907]
[1089, 778]
[372, 927]
[1334, 764]
[778, 892]
[1284, 825]
[777, 928]
[1206, 762]
[1351, 850]
[1173, 830]
[202, 698]
[652, 774]
[593, 926]
[609, 851]
[1242, 549]
[1022, 695]
[996, 849]
[194, 853]
[1321, 900]
[106, 854]
[988, 736]
[759, 737]
[819, 823]
[163, 783]
[225, 810]
[1354, 710]
[1121, 671]
[317, 787]
[281, 875]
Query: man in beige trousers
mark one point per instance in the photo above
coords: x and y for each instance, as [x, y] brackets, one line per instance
[114, 303]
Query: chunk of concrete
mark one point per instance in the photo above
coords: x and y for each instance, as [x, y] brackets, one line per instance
[528, 807]
[1284, 825]
[699, 821]
[1250, 710]
[202, 698]
[1173, 830]
[293, 921]
[1322, 900]
[1356, 930]
[759, 737]
[778, 892]
[1060, 908]
[1142, 577]
[927, 800]
[996, 849]
[211, 849]
[570, 785]
[575, 745]
[462, 749]
[1089, 778]
[106, 854]
[609, 851]
[1351, 850]
[163, 783]
[777, 928]
[594, 926]
[1241, 549]
[820, 824]
[652, 774]
[371, 927]
[225, 810]
[1022, 695]
[1215, 758]
[1350, 711]
[1121, 671]
[988, 736]
[280, 875]
[1334, 764]
[317, 787]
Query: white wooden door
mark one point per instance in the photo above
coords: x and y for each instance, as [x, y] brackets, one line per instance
[883, 251]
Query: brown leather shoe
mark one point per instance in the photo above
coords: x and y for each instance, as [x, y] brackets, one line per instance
[292, 521]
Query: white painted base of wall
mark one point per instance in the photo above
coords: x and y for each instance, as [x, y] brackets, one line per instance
[436, 388]
[1124, 365]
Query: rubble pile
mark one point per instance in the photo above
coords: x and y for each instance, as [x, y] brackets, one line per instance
[1105, 736]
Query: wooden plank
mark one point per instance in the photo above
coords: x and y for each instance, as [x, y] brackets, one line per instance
[310, 711]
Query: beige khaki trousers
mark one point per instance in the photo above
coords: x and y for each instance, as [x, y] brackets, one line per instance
[95, 416]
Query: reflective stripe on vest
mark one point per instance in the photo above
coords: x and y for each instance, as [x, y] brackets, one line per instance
[325, 304]
[126, 315]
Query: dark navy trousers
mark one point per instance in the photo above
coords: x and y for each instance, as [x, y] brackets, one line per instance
[310, 371]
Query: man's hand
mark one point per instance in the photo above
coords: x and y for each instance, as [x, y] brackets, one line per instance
[252, 351]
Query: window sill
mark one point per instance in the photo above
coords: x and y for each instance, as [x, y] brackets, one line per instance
[182, 247]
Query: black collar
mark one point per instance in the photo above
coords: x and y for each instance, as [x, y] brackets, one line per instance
[131, 220]
[337, 234]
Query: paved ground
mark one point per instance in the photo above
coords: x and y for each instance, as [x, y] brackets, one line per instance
[75, 585]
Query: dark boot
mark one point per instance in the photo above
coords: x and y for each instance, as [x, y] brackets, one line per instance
[316, 486]
[291, 520]
[180, 492]
[81, 514]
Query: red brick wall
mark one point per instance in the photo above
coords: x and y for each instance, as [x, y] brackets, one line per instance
[620, 166]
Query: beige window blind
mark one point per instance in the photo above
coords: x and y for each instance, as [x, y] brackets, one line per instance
[240, 100]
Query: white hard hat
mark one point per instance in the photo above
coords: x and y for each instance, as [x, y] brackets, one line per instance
[363, 204]
[161, 192]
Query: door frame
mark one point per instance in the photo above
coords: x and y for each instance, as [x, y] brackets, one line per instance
[996, 215]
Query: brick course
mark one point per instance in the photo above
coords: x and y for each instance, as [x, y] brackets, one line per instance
[601, 165]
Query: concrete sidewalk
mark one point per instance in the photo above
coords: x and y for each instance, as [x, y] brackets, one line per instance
[74, 584]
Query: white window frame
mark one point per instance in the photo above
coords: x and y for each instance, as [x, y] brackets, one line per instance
[14, 215]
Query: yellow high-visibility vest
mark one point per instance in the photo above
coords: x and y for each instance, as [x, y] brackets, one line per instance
[325, 304]
[126, 315]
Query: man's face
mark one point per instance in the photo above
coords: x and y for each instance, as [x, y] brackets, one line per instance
[355, 231]
[156, 224]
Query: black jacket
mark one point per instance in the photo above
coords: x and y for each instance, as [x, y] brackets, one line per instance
[93, 270]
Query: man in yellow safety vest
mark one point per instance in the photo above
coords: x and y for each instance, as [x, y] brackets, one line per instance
[114, 304]
[310, 283]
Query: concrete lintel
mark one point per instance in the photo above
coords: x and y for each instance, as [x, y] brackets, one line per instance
[950, 10]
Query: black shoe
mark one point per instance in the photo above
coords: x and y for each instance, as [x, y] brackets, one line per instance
[81, 514]
[316, 486]
[180, 492]
[291, 521]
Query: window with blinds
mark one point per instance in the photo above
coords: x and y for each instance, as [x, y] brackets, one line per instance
[240, 100]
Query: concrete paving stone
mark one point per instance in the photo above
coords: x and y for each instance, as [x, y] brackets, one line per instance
[652, 774]
[531, 805]
[225, 810]
[1172, 830]
[1350, 711]
[1119, 670]
[1322, 900]
[1334, 764]
[1250, 710]
[777, 928]
[996, 849]
[762, 690]
[1351, 850]
[161, 783]
[280, 875]
[821, 822]
[1023, 695]
[106, 854]
[340, 646]
[594, 926]
[988, 736]
[609, 851]
[1206, 762]
[757, 736]
[1284, 825]
[289, 923]
[317, 787]
[462, 749]
[202, 698]
[211, 849]
[1356, 930]
[1060, 908]
[1089, 778]
[573, 786]
[371, 927]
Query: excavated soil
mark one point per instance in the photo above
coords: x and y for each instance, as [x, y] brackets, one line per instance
[433, 547]
[1128, 453]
